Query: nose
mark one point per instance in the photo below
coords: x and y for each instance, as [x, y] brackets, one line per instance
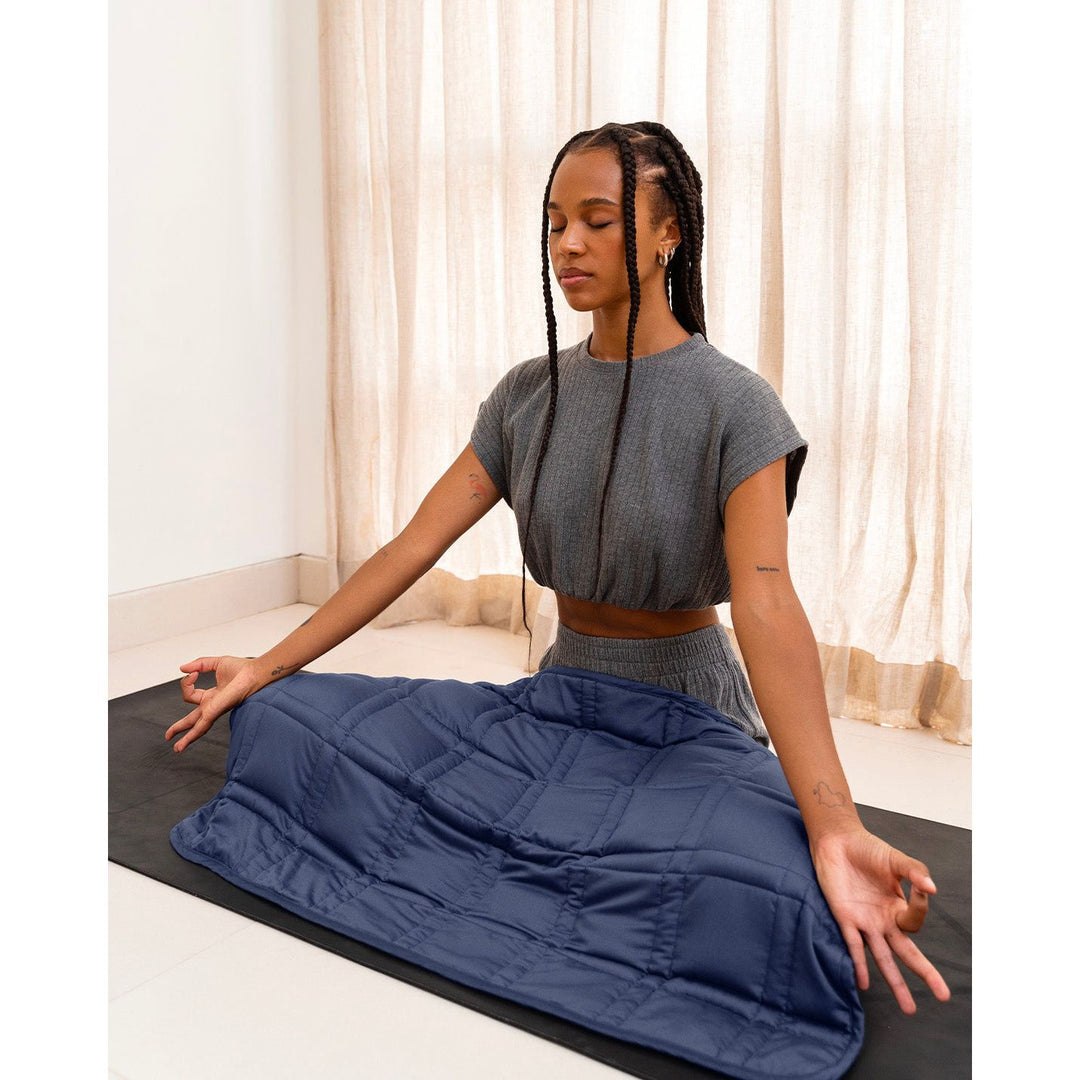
[569, 240]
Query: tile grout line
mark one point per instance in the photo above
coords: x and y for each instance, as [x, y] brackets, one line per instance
[180, 963]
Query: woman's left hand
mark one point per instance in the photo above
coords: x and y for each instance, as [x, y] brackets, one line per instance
[861, 877]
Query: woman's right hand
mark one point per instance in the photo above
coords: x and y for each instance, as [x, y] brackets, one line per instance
[236, 679]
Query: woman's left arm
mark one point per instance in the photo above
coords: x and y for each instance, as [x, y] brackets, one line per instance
[859, 873]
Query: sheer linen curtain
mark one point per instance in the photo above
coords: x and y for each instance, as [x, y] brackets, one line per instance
[834, 144]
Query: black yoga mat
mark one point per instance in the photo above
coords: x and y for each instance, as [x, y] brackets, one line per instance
[151, 789]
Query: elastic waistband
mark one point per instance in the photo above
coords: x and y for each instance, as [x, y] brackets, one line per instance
[699, 648]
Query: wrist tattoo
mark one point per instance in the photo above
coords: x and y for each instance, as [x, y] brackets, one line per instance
[282, 669]
[827, 797]
[769, 569]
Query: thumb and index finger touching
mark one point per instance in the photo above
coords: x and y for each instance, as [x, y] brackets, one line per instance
[905, 867]
[194, 668]
[209, 702]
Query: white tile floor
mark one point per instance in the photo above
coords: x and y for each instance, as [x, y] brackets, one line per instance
[197, 992]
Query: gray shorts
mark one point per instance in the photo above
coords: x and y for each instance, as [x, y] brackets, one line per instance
[702, 664]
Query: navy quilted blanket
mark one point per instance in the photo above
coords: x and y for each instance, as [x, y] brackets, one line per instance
[615, 853]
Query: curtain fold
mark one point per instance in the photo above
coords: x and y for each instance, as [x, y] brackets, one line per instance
[834, 144]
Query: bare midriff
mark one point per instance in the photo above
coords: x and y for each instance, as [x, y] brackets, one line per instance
[607, 620]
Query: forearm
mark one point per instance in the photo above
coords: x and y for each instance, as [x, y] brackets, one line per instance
[782, 661]
[374, 586]
[462, 495]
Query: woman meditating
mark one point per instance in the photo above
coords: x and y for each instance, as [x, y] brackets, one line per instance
[651, 477]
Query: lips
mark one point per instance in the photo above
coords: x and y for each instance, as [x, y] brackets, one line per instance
[572, 275]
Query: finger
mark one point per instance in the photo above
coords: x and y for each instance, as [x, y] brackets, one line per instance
[905, 866]
[189, 691]
[883, 957]
[912, 917]
[202, 664]
[183, 723]
[913, 957]
[198, 729]
[205, 714]
[853, 940]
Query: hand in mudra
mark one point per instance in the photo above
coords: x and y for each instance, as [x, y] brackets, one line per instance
[861, 878]
[236, 680]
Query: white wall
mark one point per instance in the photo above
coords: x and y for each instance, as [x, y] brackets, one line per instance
[217, 300]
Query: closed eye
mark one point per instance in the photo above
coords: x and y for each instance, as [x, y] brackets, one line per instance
[598, 225]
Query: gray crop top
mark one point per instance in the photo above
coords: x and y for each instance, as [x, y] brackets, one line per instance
[697, 425]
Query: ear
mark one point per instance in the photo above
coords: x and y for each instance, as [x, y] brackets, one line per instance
[671, 234]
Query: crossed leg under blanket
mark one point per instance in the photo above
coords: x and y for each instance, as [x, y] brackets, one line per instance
[612, 852]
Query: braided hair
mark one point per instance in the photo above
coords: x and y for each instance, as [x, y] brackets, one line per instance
[649, 154]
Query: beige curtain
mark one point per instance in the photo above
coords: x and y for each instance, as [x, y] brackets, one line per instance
[833, 139]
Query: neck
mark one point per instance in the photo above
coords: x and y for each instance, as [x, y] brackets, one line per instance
[656, 330]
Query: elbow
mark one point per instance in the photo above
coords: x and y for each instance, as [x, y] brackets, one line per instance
[777, 610]
[417, 548]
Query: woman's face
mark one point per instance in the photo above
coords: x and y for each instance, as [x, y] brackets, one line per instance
[586, 240]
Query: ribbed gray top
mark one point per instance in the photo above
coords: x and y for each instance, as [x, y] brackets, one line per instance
[697, 424]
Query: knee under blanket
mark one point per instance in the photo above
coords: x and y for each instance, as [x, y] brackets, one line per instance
[615, 853]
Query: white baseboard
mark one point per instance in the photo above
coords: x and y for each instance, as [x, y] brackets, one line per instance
[178, 607]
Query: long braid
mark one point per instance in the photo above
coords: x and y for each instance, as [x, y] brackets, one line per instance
[629, 169]
[686, 302]
[683, 185]
[553, 369]
[685, 265]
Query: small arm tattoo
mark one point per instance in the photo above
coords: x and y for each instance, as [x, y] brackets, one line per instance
[477, 486]
[770, 569]
[827, 797]
[282, 669]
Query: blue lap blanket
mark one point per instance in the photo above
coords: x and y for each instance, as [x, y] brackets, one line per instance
[615, 853]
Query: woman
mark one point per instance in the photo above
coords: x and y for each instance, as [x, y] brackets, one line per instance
[623, 232]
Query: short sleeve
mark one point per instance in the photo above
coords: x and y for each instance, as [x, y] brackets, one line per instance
[758, 432]
[488, 437]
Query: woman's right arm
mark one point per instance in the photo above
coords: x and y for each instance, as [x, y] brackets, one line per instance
[459, 499]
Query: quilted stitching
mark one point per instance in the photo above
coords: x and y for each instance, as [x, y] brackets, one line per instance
[620, 856]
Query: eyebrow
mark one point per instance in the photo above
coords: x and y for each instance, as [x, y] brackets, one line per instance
[596, 200]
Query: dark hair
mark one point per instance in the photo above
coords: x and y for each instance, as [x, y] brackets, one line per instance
[651, 155]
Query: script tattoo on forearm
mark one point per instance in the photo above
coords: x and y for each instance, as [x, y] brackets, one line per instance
[477, 486]
[770, 569]
[827, 797]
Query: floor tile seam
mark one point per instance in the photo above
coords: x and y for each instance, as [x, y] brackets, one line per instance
[864, 729]
[455, 651]
[191, 956]
[166, 642]
[923, 746]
